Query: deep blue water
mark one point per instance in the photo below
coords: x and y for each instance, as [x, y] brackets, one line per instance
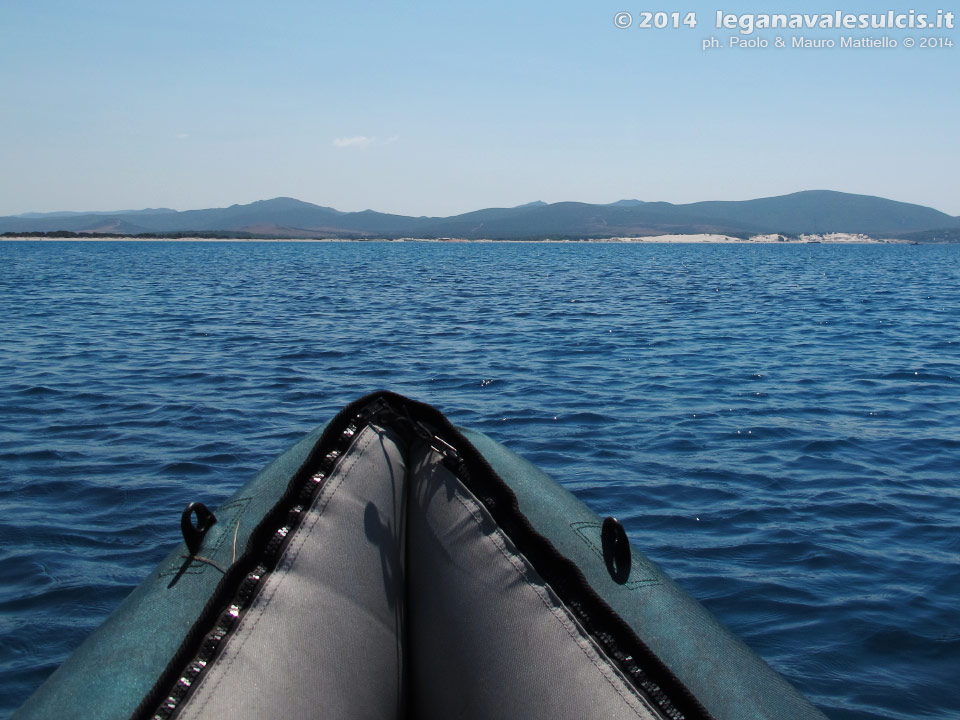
[777, 426]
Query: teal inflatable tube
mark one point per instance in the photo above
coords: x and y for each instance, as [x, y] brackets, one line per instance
[391, 565]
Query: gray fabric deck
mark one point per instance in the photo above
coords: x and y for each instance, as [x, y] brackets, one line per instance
[398, 596]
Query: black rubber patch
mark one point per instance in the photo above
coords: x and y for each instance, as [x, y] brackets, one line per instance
[616, 549]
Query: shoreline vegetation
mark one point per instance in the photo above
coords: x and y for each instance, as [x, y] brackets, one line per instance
[770, 238]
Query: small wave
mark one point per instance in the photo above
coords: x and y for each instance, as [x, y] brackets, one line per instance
[920, 376]
[39, 391]
[185, 469]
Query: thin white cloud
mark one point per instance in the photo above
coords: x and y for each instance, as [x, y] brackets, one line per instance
[181, 136]
[357, 141]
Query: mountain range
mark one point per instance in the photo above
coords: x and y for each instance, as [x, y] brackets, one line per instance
[811, 211]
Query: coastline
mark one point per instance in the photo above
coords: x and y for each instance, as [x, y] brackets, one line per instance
[702, 238]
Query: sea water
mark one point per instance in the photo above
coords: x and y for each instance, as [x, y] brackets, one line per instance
[778, 426]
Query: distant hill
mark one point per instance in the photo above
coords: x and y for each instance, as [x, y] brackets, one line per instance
[825, 211]
[69, 213]
[814, 211]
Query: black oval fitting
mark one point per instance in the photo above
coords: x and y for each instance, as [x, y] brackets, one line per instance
[616, 549]
[193, 534]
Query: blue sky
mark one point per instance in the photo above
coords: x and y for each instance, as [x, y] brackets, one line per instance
[435, 108]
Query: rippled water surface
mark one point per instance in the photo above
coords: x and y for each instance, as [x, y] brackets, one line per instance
[777, 426]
